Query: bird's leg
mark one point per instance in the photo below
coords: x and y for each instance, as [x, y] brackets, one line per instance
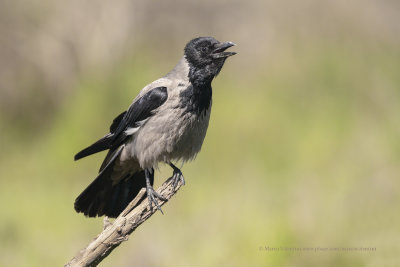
[177, 176]
[152, 195]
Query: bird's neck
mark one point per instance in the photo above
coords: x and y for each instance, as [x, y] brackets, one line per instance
[200, 77]
[196, 98]
[203, 76]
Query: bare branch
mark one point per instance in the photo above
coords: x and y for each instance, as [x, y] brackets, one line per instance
[117, 232]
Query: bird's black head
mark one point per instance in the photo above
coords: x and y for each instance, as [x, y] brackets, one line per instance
[206, 56]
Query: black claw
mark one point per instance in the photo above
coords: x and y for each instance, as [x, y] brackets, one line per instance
[152, 195]
[177, 176]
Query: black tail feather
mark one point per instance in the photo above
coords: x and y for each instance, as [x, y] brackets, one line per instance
[102, 198]
[124, 193]
[107, 197]
[102, 144]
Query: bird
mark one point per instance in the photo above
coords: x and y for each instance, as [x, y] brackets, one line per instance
[166, 123]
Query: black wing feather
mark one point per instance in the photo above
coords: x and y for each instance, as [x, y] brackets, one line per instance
[100, 145]
[116, 122]
[138, 111]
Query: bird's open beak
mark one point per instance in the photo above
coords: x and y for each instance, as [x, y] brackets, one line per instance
[219, 51]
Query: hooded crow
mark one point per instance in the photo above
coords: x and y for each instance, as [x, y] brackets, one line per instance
[166, 122]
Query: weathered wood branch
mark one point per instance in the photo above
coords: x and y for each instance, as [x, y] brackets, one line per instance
[118, 231]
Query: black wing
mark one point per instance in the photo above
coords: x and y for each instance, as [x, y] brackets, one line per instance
[116, 122]
[140, 110]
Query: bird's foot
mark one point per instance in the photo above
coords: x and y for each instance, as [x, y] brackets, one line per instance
[152, 196]
[177, 176]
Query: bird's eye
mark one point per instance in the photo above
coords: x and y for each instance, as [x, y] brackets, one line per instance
[204, 49]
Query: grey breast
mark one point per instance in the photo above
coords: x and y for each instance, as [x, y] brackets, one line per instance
[171, 134]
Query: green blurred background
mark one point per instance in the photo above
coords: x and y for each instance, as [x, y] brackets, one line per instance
[303, 147]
